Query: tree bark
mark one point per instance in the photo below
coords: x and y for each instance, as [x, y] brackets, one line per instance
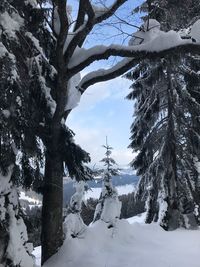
[52, 219]
[52, 209]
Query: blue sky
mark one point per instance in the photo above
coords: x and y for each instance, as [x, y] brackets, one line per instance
[103, 110]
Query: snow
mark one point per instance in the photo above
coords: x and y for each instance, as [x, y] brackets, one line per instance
[47, 91]
[152, 40]
[37, 255]
[3, 50]
[74, 225]
[23, 196]
[99, 10]
[140, 218]
[33, 3]
[38, 61]
[111, 209]
[76, 199]
[128, 244]
[122, 190]
[195, 31]
[11, 23]
[17, 250]
[36, 43]
[6, 113]
[56, 21]
[18, 237]
[74, 94]
[13, 72]
[150, 30]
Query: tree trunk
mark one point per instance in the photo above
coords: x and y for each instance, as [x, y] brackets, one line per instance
[52, 212]
[171, 220]
[52, 209]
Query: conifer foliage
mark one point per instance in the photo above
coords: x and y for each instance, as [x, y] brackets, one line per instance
[26, 107]
[109, 207]
[164, 130]
[15, 125]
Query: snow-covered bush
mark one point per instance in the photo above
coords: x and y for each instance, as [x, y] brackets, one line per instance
[73, 224]
[14, 248]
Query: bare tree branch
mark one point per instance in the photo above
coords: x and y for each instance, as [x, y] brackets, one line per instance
[80, 15]
[63, 31]
[85, 28]
[110, 11]
[82, 31]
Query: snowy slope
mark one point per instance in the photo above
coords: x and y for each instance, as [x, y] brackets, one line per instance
[23, 196]
[122, 190]
[125, 183]
[129, 245]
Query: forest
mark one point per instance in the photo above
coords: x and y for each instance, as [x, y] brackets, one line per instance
[51, 53]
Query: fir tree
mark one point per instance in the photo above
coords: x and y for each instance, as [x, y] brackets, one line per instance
[15, 124]
[26, 109]
[169, 179]
[109, 206]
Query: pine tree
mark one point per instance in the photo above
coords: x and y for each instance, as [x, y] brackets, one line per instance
[54, 60]
[25, 110]
[165, 162]
[109, 206]
[14, 127]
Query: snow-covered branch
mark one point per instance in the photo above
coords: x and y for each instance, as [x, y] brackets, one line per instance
[161, 46]
[102, 75]
[84, 25]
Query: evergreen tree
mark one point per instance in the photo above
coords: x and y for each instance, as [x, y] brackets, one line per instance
[15, 124]
[109, 206]
[50, 66]
[26, 109]
[163, 119]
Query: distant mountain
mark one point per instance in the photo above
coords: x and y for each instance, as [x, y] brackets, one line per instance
[121, 180]
[124, 179]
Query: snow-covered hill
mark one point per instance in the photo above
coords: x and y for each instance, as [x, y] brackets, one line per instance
[131, 244]
[122, 190]
[125, 183]
[31, 201]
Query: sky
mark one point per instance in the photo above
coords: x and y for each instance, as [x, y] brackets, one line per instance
[103, 110]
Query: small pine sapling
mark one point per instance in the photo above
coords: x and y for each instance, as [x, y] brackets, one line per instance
[108, 207]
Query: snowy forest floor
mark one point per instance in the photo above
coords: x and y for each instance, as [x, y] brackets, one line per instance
[130, 244]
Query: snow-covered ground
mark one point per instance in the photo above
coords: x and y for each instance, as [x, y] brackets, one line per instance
[23, 196]
[122, 190]
[131, 244]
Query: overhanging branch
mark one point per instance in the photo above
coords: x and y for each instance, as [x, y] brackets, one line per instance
[136, 52]
[103, 75]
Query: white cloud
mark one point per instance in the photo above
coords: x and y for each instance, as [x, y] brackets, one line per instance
[92, 140]
[123, 156]
[116, 88]
[91, 129]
